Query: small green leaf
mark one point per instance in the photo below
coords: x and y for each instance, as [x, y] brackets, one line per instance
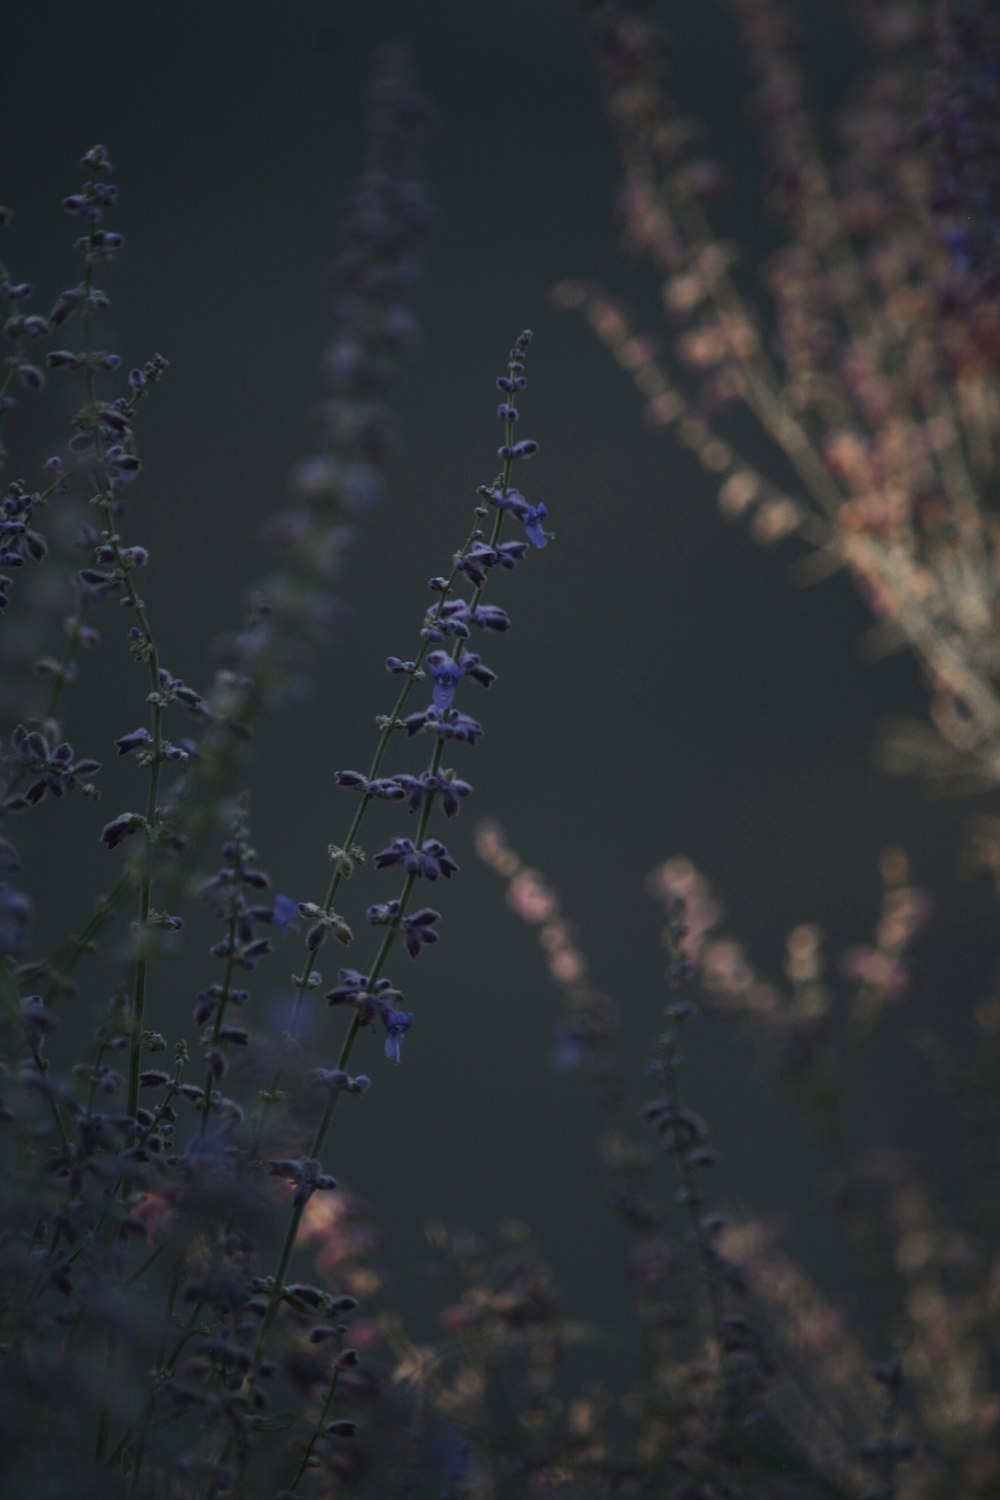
[278, 1421]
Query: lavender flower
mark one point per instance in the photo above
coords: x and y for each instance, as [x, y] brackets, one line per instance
[396, 1028]
[431, 860]
[447, 674]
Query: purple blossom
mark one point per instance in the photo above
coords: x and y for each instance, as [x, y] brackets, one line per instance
[473, 666]
[419, 929]
[355, 990]
[384, 787]
[384, 912]
[447, 673]
[29, 375]
[450, 725]
[430, 860]
[531, 516]
[523, 449]
[450, 618]
[49, 769]
[418, 789]
[308, 1176]
[456, 616]
[352, 779]
[396, 1027]
[480, 558]
[490, 617]
[352, 986]
[134, 741]
[18, 539]
[286, 912]
[533, 525]
[394, 664]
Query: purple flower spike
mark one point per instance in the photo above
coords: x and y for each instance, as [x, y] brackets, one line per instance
[447, 674]
[397, 1024]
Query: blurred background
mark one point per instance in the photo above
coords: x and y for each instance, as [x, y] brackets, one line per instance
[664, 689]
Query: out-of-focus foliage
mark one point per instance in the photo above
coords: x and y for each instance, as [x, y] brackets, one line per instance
[871, 360]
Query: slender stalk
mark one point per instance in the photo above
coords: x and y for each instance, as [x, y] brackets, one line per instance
[277, 1285]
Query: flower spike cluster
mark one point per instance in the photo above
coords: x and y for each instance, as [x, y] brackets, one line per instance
[451, 620]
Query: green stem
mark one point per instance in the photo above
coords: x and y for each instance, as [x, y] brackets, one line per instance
[331, 1391]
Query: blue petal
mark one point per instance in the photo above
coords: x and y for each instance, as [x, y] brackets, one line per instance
[446, 677]
[533, 525]
[286, 912]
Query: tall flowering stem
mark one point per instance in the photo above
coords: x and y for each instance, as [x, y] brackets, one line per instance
[115, 465]
[102, 451]
[451, 619]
